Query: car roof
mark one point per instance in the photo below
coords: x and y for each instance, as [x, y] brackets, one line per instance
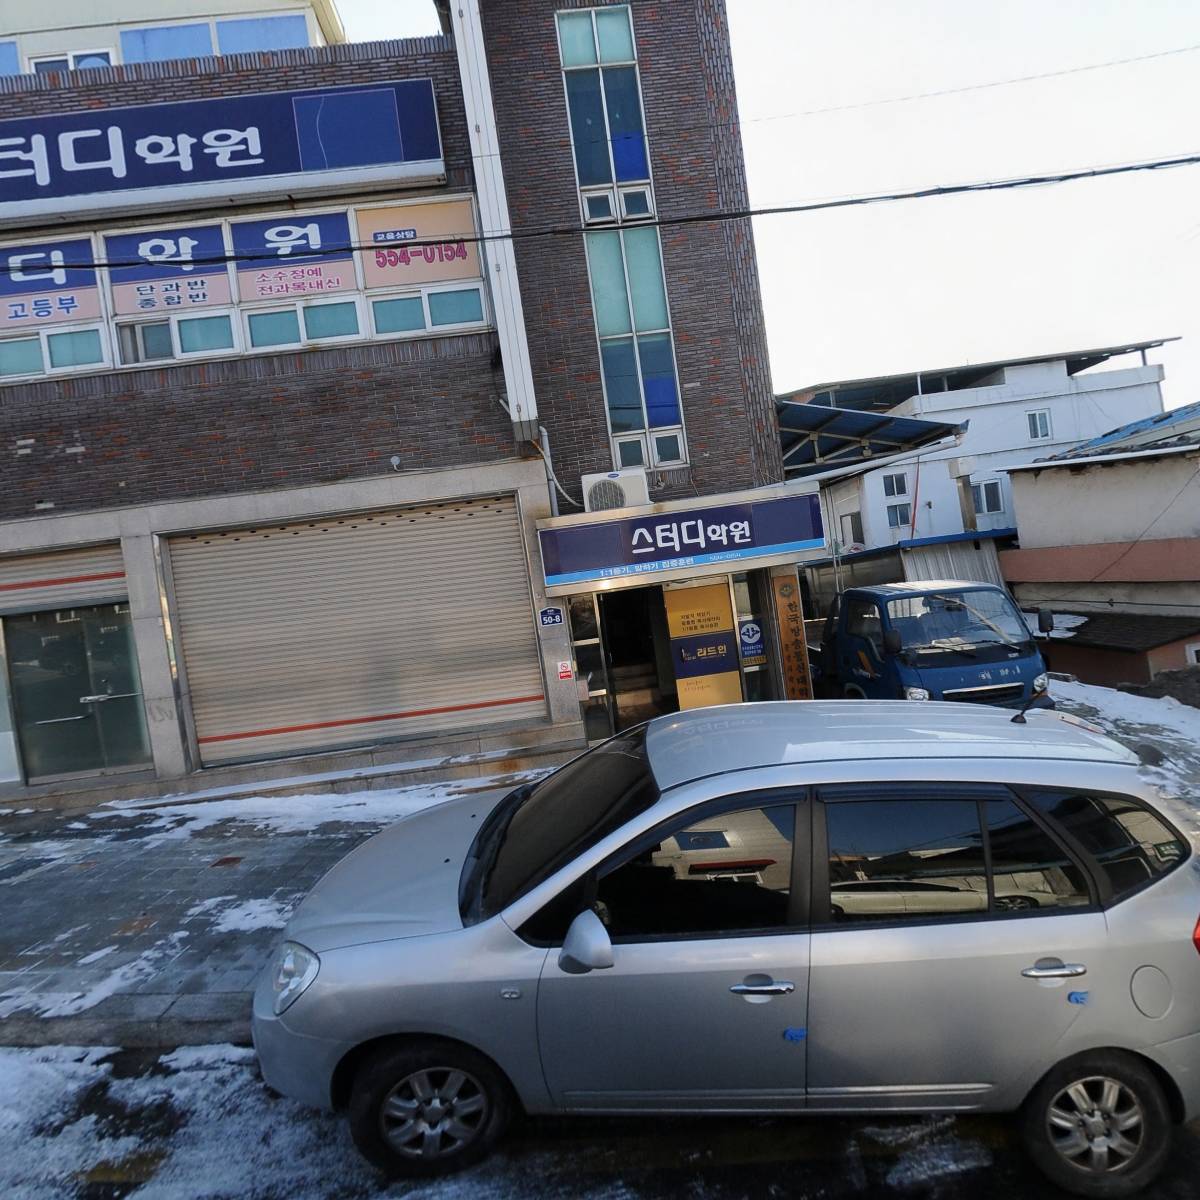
[736, 737]
[921, 586]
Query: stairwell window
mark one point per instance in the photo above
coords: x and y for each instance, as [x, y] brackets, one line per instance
[1039, 425]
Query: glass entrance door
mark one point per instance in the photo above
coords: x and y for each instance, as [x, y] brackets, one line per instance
[75, 690]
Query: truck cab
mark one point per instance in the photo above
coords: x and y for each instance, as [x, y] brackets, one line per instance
[933, 640]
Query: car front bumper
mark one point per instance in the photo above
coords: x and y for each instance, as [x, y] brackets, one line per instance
[294, 1064]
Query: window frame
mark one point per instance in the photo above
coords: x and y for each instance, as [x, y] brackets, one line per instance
[979, 491]
[963, 792]
[799, 895]
[896, 508]
[1038, 417]
[311, 23]
[71, 55]
[891, 477]
[109, 321]
[619, 215]
[646, 432]
[1191, 653]
[296, 306]
[49, 371]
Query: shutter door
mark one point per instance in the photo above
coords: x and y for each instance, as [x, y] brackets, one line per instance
[40, 582]
[362, 628]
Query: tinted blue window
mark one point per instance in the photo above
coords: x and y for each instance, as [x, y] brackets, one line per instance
[262, 33]
[658, 377]
[621, 385]
[165, 42]
[455, 308]
[10, 60]
[587, 127]
[625, 123]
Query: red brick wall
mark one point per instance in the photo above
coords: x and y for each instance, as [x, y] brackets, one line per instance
[711, 273]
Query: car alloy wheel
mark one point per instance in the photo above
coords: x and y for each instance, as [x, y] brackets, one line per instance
[1096, 1124]
[433, 1113]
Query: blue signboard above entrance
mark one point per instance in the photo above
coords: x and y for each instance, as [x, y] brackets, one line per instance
[219, 148]
[644, 547]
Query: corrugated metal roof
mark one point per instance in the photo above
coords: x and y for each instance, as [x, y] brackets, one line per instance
[1164, 431]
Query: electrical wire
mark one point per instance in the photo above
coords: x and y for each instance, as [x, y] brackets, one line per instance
[715, 217]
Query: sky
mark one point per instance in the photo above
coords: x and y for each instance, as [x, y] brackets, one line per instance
[943, 282]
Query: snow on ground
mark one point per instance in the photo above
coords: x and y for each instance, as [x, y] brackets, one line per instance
[197, 1124]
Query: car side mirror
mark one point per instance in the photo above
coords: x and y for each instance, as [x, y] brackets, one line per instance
[1045, 621]
[587, 946]
[892, 643]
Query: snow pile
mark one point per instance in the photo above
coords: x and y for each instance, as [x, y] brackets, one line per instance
[244, 916]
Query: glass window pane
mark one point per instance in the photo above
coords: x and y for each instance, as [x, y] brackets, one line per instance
[614, 34]
[51, 64]
[631, 453]
[637, 203]
[331, 320]
[21, 357]
[621, 385]
[401, 315]
[166, 42]
[897, 859]
[75, 349]
[262, 33]
[1130, 842]
[727, 873]
[98, 58]
[274, 329]
[609, 298]
[198, 334]
[156, 340]
[658, 379]
[455, 308]
[599, 206]
[583, 617]
[644, 264]
[1029, 870]
[575, 37]
[587, 128]
[10, 60]
[625, 123]
[668, 448]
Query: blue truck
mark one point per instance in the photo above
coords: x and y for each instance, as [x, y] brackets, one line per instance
[932, 640]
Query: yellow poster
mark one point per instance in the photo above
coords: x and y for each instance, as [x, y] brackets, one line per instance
[703, 645]
[443, 255]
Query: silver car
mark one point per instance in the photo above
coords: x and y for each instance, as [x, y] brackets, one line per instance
[655, 927]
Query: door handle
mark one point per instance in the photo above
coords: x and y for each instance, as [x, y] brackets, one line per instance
[782, 988]
[1055, 970]
[61, 720]
[94, 699]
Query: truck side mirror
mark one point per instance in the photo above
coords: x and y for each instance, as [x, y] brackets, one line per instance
[1045, 621]
[892, 643]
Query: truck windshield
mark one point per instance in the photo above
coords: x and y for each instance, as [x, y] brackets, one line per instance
[537, 830]
[972, 623]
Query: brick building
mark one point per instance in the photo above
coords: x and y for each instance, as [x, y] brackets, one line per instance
[299, 446]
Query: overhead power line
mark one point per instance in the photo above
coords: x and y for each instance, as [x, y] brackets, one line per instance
[704, 218]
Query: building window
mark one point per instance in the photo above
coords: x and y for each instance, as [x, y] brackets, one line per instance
[852, 530]
[50, 352]
[899, 516]
[1192, 654]
[247, 35]
[604, 107]
[10, 60]
[1039, 424]
[895, 485]
[637, 353]
[161, 43]
[988, 497]
[175, 337]
[80, 60]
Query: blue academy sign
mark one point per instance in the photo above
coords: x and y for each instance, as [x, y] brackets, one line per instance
[216, 147]
[694, 537]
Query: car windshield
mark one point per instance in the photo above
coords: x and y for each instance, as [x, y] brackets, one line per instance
[537, 830]
[959, 622]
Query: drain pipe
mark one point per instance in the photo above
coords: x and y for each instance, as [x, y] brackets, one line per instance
[542, 446]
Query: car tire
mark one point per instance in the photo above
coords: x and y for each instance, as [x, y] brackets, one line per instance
[1015, 904]
[427, 1109]
[1098, 1125]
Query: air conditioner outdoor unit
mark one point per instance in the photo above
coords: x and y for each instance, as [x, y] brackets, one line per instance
[615, 489]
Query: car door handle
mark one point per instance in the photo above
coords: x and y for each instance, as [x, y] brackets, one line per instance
[1055, 970]
[782, 988]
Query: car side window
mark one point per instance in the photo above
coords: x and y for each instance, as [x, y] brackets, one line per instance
[1131, 844]
[1030, 871]
[728, 873]
[892, 858]
[862, 620]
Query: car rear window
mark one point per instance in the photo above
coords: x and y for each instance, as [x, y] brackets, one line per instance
[1132, 844]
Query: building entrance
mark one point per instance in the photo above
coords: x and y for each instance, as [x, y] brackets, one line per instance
[76, 695]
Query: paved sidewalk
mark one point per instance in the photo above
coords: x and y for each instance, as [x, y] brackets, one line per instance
[147, 924]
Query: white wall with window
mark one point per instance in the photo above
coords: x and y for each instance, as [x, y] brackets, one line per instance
[1038, 423]
[240, 286]
[74, 35]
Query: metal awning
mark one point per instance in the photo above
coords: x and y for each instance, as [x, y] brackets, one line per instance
[815, 438]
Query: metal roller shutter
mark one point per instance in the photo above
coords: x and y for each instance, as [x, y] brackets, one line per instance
[40, 582]
[346, 631]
